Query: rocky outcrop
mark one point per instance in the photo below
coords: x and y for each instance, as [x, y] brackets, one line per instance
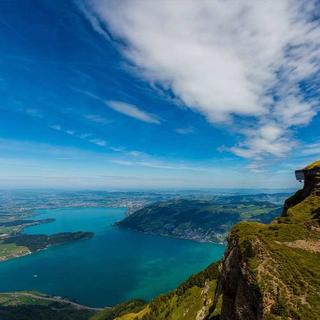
[311, 186]
[271, 271]
[241, 300]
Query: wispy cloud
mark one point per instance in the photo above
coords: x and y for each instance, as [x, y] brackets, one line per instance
[94, 20]
[76, 168]
[187, 130]
[84, 136]
[57, 127]
[224, 59]
[312, 149]
[97, 118]
[132, 111]
[268, 139]
[125, 108]
[70, 132]
[98, 142]
[158, 165]
[33, 112]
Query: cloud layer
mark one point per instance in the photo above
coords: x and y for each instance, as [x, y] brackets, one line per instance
[246, 59]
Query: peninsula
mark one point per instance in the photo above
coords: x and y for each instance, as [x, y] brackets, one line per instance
[200, 220]
[14, 243]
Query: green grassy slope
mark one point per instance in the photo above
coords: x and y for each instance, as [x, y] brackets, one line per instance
[34, 306]
[277, 263]
[198, 220]
[124, 309]
[191, 300]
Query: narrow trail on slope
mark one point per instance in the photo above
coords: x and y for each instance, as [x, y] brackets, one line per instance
[53, 299]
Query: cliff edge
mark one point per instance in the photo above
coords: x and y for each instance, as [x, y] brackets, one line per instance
[272, 271]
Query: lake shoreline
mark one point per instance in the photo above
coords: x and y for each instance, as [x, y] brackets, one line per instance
[85, 271]
[195, 239]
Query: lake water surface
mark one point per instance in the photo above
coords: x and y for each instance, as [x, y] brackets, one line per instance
[115, 265]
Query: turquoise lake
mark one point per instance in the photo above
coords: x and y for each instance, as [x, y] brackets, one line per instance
[115, 265]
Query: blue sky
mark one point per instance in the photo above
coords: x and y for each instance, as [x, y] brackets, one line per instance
[137, 94]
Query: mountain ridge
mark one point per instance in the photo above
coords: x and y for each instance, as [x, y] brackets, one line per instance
[199, 220]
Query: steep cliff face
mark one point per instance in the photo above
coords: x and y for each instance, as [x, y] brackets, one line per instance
[273, 271]
[311, 187]
[241, 300]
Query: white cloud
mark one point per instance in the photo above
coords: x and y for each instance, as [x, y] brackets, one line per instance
[32, 112]
[264, 141]
[225, 58]
[136, 153]
[127, 109]
[70, 132]
[157, 165]
[57, 127]
[97, 118]
[186, 130]
[98, 142]
[84, 136]
[311, 149]
[92, 19]
[132, 111]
